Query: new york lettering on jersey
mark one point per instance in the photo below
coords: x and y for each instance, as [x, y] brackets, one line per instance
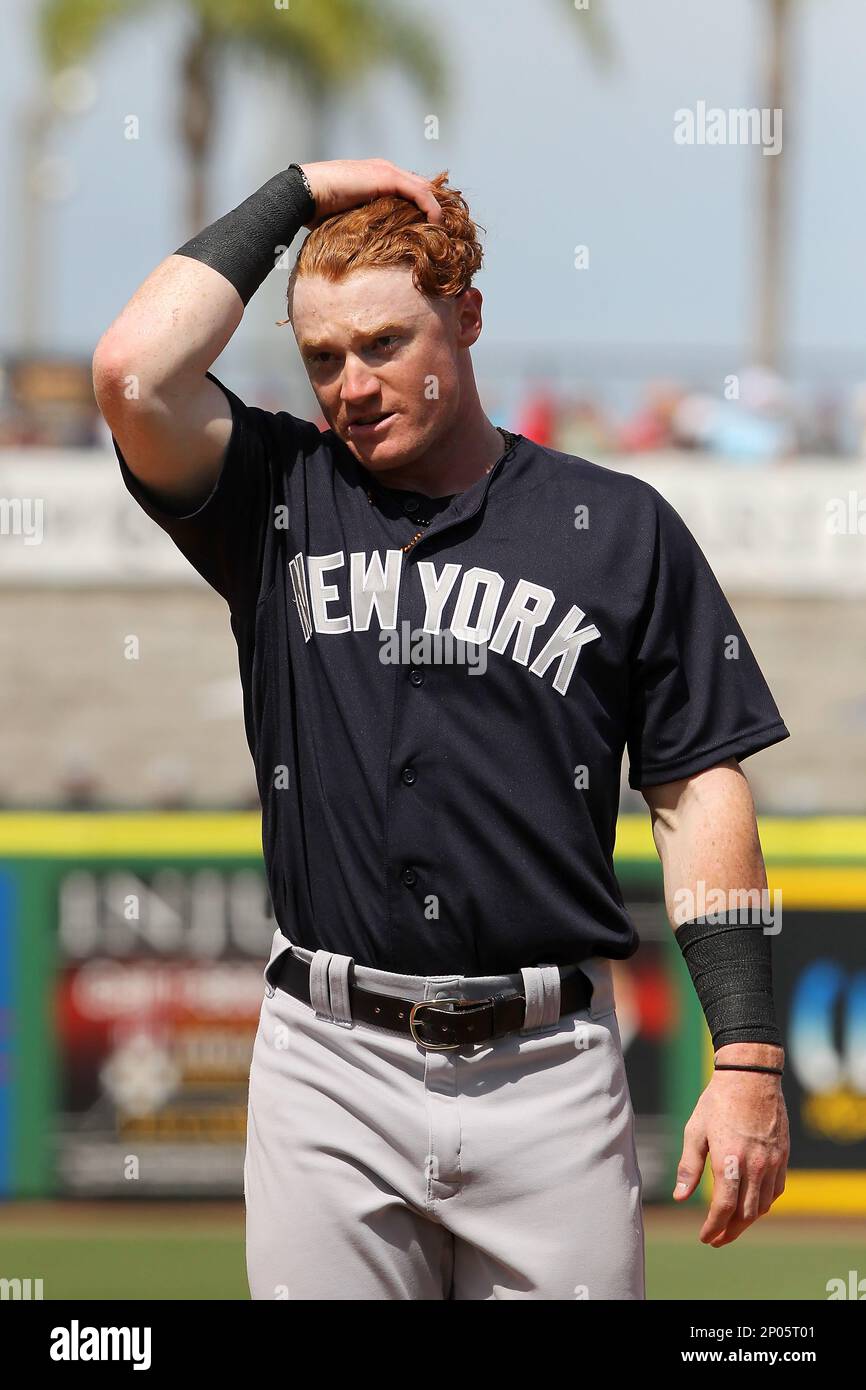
[506, 629]
[424, 811]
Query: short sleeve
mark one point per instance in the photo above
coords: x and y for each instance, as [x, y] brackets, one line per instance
[696, 693]
[223, 539]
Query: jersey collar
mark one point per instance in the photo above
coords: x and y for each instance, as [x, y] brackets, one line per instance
[461, 507]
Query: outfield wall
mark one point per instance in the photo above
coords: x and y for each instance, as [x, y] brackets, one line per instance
[131, 956]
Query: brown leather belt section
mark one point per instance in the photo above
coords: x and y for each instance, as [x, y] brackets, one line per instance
[435, 1024]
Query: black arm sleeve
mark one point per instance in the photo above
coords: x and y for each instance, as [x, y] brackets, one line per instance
[245, 244]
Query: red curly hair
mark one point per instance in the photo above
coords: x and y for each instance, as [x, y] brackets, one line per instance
[394, 231]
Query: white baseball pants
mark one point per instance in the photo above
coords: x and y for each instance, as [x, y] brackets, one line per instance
[376, 1169]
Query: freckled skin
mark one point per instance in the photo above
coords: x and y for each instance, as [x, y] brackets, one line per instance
[440, 440]
[705, 831]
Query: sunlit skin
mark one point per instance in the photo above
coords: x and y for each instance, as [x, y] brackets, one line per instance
[373, 343]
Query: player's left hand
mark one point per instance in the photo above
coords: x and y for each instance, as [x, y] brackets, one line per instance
[741, 1121]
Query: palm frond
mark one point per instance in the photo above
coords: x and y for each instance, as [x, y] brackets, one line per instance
[69, 30]
[592, 28]
[332, 42]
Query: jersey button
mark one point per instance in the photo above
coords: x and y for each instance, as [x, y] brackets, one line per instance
[411, 505]
[416, 677]
[409, 775]
[409, 876]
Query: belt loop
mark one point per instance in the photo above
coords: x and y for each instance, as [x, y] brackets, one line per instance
[338, 984]
[329, 987]
[541, 985]
[599, 971]
[279, 946]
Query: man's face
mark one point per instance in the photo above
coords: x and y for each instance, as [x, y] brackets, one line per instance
[377, 350]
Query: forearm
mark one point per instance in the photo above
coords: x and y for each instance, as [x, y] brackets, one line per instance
[186, 311]
[706, 836]
[757, 1053]
[171, 331]
[707, 839]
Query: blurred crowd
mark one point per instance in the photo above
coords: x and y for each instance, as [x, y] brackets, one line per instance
[757, 417]
[753, 416]
[167, 782]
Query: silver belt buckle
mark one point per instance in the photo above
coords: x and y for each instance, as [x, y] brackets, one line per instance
[435, 1004]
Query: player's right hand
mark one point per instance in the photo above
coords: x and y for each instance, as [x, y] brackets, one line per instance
[340, 184]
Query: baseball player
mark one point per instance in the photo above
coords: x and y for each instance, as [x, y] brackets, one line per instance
[448, 637]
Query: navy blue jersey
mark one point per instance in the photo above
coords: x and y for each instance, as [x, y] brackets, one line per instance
[438, 731]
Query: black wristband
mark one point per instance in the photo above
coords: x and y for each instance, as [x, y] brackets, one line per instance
[746, 1066]
[731, 969]
[246, 243]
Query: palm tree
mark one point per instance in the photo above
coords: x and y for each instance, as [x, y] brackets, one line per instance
[768, 330]
[322, 47]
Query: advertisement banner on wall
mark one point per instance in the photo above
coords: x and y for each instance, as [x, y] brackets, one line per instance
[820, 983]
[158, 993]
[158, 990]
[132, 952]
[649, 1011]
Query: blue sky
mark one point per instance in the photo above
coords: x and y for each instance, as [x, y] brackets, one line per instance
[550, 151]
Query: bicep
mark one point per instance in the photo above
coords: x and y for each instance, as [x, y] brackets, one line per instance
[705, 831]
[665, 799]
[174, 438]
